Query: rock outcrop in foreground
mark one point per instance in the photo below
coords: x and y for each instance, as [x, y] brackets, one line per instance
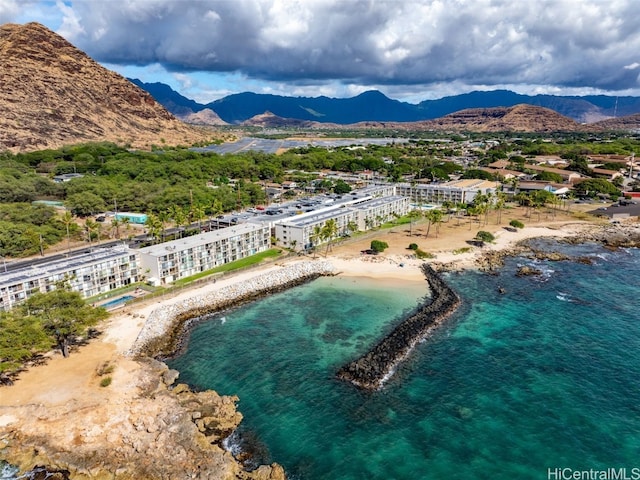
[374, 368]
[155, 430]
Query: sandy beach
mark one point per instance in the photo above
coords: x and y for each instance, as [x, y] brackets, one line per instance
[63, 401]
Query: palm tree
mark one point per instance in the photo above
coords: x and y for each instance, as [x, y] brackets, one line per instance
[115, 225]
[177, 213]
[434, 216]
[316, 237]
[68, 219]
[91, 226]
[352, 226]
[197, 214]
[501, 199]
[126, 223]
[329, 231]
[413, 214]
[154, 226]
[215, 209]
[448, 206]
[460, 207]
[163, 218]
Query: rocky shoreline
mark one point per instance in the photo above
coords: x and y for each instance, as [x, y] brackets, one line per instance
[371, 370]
[163, 431]
[611, 236]
[159, 429]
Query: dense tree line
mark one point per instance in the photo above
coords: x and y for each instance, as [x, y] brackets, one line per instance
[154, 182]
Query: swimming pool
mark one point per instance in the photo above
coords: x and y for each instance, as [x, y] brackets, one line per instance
[116, 301]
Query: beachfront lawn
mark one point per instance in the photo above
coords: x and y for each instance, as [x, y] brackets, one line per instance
[228, 267]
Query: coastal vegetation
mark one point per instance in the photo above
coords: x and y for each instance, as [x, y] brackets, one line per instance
[378, 246]
[484, 237]
[57, 318]
[516, 224]
[179, 186]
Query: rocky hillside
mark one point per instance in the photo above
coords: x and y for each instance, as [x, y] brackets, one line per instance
[628, 123]
[269, 120]
[54, 94]
[520, 118]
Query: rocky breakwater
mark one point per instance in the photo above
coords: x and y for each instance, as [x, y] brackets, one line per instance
[370, 371]
[166, 326]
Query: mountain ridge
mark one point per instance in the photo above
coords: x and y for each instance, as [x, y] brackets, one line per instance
[374, 106]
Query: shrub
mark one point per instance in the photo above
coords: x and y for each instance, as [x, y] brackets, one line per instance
[485, 237]
[516, 224]
[378, 246]
[413, 246]
[105, 382]
[422, 254]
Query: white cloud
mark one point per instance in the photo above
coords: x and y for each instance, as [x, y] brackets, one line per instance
[334, 45]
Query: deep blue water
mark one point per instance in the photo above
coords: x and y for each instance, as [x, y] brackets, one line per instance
[545, 375]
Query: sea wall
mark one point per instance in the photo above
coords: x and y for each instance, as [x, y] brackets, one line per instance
[164, 328]
[378, 364]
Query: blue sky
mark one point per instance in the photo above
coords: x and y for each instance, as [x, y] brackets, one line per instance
[411, 50]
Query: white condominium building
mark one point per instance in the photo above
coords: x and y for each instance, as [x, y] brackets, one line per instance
[167, 262]
[300, 232]
[92, 273]
[458, 191]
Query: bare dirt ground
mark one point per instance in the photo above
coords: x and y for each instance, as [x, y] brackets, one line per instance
[456, 233]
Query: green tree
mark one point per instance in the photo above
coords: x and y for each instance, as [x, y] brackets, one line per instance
[433, 216]
[197, 214]
[484, 237]
[22, 338]
[341, 187]
[378, 246]
[316, 237]
[68, 220]
[413, 214]
[329, 232]
[91, 228]
[85, 204]
[154, 226]
[179, 216]
[63, 315]
[215, 209]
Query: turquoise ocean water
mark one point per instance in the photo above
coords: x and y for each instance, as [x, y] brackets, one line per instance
[546, 375]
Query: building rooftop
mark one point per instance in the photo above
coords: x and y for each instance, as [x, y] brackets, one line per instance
[64, 265]
[200, 239]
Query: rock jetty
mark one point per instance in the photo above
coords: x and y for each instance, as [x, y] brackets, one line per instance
[165, 327]
[370, 371]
